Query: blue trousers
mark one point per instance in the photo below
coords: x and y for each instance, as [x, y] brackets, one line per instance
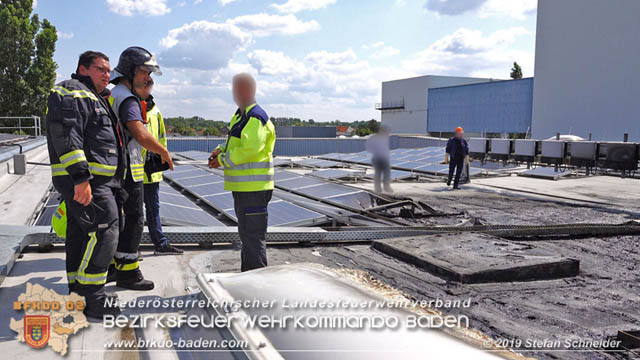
[152, 208]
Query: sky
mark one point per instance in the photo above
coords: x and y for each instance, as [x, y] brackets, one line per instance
[312, 59]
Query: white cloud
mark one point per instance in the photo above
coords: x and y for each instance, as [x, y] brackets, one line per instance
[385, 52]
[518, 9]
[294, 6]
[222, 2]
[381, 51]
[470, 53]
[202, 45]
[276, 63]
[453, 7]
[265, 24]
[138, 7]
[64, 35]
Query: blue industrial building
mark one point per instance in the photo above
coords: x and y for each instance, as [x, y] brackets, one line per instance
[490, 107]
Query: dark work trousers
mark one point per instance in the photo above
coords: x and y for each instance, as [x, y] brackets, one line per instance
[382, 171]
[152, 210]
[126, 257]
[92, 237]
[456, 164]
[251, 211]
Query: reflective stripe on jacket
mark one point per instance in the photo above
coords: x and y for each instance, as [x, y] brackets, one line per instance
[247, 156]
[119, 94]
[155, 126]
[82, 136]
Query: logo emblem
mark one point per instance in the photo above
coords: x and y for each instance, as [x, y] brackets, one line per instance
[36, 330]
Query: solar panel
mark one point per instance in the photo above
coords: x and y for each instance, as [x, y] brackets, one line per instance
[176, 209]
[395, 175]
[434, 169]
[299, 182]
[195, 155]
[336, 173]
[281, 162]
[209, 188]
[49, 208]
[327, 190]
[318, 163]
[283, 213]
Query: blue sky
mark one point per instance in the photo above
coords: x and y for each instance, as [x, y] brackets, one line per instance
[320, 59]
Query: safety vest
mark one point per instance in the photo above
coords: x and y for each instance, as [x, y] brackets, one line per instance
[59, 220]
[247, 155]
[155, 126]
[119, 94]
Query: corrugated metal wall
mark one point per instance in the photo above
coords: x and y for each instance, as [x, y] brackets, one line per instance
[497, 107]
[305, 146]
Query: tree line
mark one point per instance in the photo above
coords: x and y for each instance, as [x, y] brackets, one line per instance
[199, 126]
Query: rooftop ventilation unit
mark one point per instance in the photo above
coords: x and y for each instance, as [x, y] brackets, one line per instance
[553, 152]
[501, 149]
[583, 153]
[478, 148]
[526, 150]
[619, 155]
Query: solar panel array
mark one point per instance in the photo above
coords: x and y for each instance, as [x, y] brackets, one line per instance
[176, 209]
[319, 189]
[197, 155]
[336, 174]
[424, 160]
[209, 188]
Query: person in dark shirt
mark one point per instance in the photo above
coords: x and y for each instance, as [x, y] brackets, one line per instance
[457, 153]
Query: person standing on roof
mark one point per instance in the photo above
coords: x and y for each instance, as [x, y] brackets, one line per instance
[87, 155]
[378, 146]
[131, 76]
[457, 153]
[155, 126]
[247, 159]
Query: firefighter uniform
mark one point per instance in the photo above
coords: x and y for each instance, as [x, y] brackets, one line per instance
[126, 256]
[84, 143]
[247, 159]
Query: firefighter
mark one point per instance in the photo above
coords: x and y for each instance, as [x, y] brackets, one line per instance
[247, 159]
[131, 76]
[456, 155]
[87, 155]
[155, 126]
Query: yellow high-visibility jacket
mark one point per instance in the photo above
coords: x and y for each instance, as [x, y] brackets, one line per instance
[155, 126]
[247, 155]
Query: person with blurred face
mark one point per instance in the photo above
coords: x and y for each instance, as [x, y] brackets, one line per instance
[155, 126]
[457, 153]
[378, 146]
[88, 159]
[131, 77]
[247, 159]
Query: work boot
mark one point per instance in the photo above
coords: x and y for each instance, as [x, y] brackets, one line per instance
[133, 280]
[111, 273]
[97, 307]
[448, 182]
[168, 250]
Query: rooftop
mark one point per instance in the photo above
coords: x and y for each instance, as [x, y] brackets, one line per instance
[520, 248]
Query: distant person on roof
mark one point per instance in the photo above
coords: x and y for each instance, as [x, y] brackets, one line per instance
[378, 146]
[457, 153]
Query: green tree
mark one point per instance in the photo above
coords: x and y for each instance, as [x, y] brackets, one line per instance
[516, 71]
[27, 69]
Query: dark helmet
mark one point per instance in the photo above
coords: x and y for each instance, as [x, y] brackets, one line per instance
[130, 59]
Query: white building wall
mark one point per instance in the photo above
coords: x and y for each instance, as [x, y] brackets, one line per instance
[587, 69]
[413, 118]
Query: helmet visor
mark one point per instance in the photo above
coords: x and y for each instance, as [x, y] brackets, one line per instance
[152, 66]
